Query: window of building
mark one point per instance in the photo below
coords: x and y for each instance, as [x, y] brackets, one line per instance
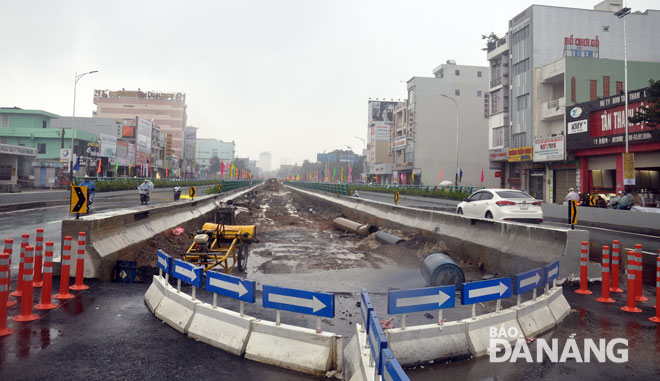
[457, 92]
[478, 93]
[521, 67]
[5, 172]
[478, 74]
[4, 120]
[41, 148]
[458, 72]
[619, 87]
[572, 89]
[523, 102]
[498, 136]
[593, 89]
[606, 86]
[43, 124]
[3, 140]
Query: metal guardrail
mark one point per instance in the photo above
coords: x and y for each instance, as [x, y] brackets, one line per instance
[344, 188]
[228, 185]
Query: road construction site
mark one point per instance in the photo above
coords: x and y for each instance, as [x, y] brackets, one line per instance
[298, 247]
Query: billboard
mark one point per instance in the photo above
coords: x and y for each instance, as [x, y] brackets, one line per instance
[122, 153]
[382, 132]
[382, 112]
[144, 128]
[549, 149]
[602, 123]
[108, 145]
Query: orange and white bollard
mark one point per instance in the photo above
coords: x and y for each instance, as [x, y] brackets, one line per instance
[605, 290]
[631, 306]
[4, 294]
[9, 243]
[46, 303]
[584, 260]
[638, 287]
[656, 318]
[26, 299]
[80, 265]
[66, 267]
[25, 238]
[38, 252]
[615, 267]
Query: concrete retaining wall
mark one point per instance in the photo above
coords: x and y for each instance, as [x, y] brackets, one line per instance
[116, 235]
[503, 248]
[621, 220]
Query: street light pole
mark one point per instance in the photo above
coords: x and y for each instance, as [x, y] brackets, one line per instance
[622, 13]
[457, 108]
[75, 84]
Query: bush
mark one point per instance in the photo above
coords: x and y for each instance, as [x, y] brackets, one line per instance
[433, 192]
[132, 184]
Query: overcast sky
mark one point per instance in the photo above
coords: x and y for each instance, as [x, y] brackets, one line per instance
[289, 77]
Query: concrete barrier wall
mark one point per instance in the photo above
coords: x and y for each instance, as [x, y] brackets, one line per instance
[622, 220]
[116, 235]
[286, 346]
[503, 248]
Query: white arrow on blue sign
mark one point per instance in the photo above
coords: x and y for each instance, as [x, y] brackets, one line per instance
[377, 340]
[392, 370]
[365, 308]
[188, 272]
[551, 272]
[527, 281]
[164, 262]
[421, 299]
[232, 286]
[301, 301]
[485, 290]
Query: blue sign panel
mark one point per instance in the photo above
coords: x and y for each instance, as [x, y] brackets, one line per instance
[551, 272]
[164, 262]
[485, 290]
[365, 308]
[528, 281]
[188, 272]
[421, 299]
[392, 370]
[377, 340]
[231, 286]
[304, 302]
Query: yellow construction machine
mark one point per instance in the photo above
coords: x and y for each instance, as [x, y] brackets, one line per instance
[272, 185]
[221, 245]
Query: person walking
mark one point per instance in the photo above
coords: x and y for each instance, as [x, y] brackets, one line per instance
[571, 196]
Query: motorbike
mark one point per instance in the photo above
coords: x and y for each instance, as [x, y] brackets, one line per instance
[177, 193]
[144, 198]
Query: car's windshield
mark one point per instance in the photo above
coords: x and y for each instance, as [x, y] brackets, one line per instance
[513, 194]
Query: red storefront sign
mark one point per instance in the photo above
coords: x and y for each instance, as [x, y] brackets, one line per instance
[612, 121]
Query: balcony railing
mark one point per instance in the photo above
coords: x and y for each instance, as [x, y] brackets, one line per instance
[496, 82]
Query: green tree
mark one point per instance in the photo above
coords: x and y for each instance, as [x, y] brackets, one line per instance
[491, 41]
[215, 164]
[649, 114]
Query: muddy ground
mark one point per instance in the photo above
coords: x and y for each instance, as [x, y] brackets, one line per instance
[295, 236]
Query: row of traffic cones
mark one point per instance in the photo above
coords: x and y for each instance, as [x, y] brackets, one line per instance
[31, 275]
[610, 280]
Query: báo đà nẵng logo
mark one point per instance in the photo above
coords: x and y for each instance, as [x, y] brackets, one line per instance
[501, 348]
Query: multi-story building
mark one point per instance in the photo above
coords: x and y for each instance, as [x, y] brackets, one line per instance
[167, 110]
[379, 156]
[536, 38]
[447, 123]
[206, 148]
[264, 161]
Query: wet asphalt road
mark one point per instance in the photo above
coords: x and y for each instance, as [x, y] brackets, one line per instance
[108, 333]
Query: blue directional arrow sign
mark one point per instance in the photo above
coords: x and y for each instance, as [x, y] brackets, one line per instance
[528, 281]
[188, 273]
[164, 262]
[377, 340]
[365, 308]
[392, 370]
[304, 302]
[421, 299]
[485, 290]
[551, 272]
[232, 286]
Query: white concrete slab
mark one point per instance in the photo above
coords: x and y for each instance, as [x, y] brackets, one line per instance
[221, 328]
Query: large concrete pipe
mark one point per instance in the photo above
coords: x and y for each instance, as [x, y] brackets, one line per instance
[388, 238]
[352, 226]
[438, 269]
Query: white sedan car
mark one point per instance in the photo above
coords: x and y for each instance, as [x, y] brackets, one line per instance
[502, 205]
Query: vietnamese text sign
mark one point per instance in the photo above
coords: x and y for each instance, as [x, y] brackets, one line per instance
[629, 168]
